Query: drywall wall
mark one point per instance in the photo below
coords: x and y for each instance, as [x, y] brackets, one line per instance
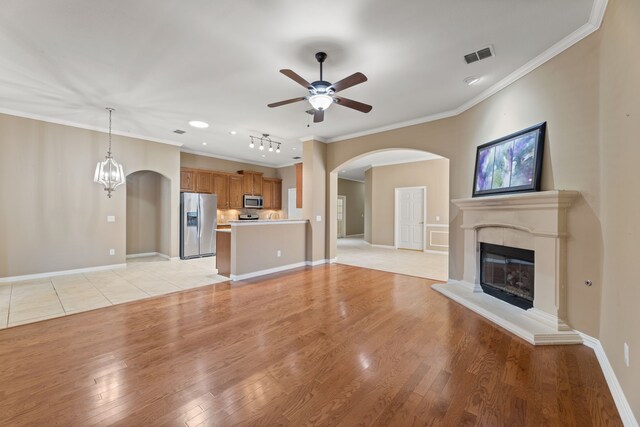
[255, 247]
[314, 198]
[368, 197]
[148, 213]
[189, 160]
[53, 217]
[432, 174]
[354, 192]
[619, 153]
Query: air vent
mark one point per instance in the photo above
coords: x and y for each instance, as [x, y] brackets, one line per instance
[485, 53]
[296, 158]
[179, 131]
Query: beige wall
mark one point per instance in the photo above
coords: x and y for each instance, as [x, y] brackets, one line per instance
[354, 192]
[254, 247]
[619, 152]
[314, 198]
[189, 160]
[368, 197]
[53, 217]
[148, 213]
[433, 174]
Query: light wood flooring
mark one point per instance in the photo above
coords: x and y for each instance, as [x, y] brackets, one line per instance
[329, 345]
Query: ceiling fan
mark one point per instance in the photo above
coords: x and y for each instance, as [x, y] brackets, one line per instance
[322, 93]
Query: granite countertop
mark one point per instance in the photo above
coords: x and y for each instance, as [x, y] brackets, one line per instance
[268, 221]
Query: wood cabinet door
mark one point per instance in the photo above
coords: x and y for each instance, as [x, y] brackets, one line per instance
[267, 193]
[298, 185]
[203, 182]
[236, 191]
[221, 189]
[187, 180]
[247, 183]
[277, 195]
[257, 184]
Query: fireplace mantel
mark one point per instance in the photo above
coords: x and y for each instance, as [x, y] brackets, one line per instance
[535, 221]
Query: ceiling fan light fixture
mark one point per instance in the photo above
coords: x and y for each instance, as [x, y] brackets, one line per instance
[321, 102]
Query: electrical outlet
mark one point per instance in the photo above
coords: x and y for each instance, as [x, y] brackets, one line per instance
[437, 218]
[111, 218]
[112, 251]
[318, 218]
[626, 354]
[279, 253]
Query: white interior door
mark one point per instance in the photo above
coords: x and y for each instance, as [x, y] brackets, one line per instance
[292, 211]
[341, 215]
[410, 210]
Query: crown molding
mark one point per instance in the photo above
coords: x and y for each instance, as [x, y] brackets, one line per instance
[595, 20]
[87, 127]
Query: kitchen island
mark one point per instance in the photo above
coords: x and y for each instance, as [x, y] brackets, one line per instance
[254, 248]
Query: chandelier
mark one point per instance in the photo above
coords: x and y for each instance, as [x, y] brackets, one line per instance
[109, 172]
[265, 142]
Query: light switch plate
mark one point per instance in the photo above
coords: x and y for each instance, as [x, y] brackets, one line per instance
[112, 251]
[318, 218]
[111, 218]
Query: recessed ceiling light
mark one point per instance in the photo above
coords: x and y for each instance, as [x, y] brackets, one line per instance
[471, 80]
[232, 132]
[199, 124]
[204, 143]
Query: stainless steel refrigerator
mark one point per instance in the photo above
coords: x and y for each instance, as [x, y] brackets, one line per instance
[198, 220]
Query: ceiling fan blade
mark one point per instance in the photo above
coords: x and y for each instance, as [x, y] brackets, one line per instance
[345, 102]
[318, 116]
[296, 78]
[347, 82]
[288, 101]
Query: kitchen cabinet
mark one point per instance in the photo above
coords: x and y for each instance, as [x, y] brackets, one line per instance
[187, 180]
[299, 185]
[272, 193]
[251, 182]
[235, 191]
[221, 189]
[203, 182]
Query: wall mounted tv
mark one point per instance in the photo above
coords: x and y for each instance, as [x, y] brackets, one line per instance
[510, 164]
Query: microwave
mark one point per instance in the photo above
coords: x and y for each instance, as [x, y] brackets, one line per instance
[253, 202]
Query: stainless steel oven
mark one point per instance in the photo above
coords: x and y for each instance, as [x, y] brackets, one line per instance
[253, 202]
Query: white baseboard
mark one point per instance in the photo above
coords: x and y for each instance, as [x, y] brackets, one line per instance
[60, 273]
[319, 262]
[628, 419]
[430, 251]
[355, 235]
[148, 254]
[236, 277]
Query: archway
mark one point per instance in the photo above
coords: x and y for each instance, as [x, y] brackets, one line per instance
[148, 215]
[384, 176]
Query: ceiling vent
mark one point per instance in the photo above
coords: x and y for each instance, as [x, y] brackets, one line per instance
[179, 131]
[485, 53]
[296, 158]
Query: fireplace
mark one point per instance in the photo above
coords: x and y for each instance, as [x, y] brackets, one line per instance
[508, 274]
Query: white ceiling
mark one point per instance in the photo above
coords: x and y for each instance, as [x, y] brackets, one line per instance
[355, 170]
[161, 63]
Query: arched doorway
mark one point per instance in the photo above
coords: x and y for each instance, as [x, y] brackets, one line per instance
[402, 196]
[148, 215]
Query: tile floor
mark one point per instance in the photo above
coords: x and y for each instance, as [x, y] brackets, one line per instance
[33, 300]
[355, 251]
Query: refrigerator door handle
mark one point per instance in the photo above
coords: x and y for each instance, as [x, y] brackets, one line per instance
[199, 217]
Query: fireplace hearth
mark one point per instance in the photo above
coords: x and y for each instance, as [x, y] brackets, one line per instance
[508, 274]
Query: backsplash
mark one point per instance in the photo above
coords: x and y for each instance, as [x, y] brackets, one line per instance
[226, 215]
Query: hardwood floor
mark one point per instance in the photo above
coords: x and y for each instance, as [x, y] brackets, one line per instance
[329, 345]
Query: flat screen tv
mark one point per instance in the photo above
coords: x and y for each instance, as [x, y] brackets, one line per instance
[510, 164]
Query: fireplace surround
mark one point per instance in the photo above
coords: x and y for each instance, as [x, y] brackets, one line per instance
[534, 222]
